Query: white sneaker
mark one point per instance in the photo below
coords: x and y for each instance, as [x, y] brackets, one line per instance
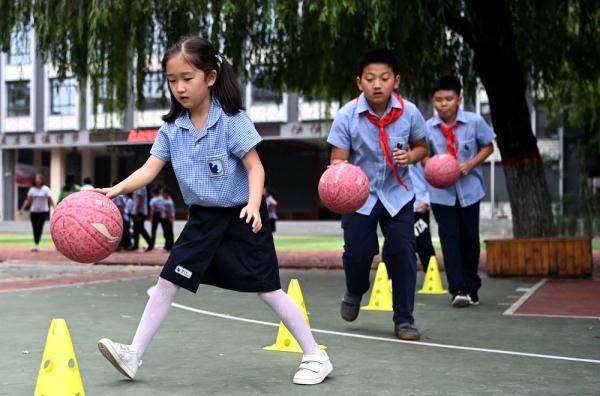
[313, 369]
[460, 300]
[122, 356]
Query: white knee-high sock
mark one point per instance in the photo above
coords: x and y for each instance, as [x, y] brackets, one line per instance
[155, 312]
[292, 317]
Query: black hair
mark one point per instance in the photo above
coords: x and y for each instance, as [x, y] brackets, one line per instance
[201, 54]
[87, 180]
[115, 182]
[69, 181]
[447, 83]
[35, 177]
[166, 190]
[379, 55]
[155, 190]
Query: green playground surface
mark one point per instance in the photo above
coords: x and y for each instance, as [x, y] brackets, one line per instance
[211, 343]
[282, 242]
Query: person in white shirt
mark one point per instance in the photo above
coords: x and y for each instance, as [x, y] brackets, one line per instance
[39, 200]
[87, 184]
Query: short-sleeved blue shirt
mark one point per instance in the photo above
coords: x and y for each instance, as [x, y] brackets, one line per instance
[143, 209]
[352, 131]
[208, 163]
[417, 176]
[472, 134]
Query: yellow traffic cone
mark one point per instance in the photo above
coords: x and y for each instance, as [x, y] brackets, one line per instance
[433, 282]
[285, 341]
[59, 371]
[381, 296]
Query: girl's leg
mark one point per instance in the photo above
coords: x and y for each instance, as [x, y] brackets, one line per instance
[155, 312]
[291, 315]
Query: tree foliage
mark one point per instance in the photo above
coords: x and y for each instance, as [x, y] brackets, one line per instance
[547, 46]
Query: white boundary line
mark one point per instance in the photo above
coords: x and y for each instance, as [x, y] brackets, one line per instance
[524, 297]
[366, 337]
[559, 316]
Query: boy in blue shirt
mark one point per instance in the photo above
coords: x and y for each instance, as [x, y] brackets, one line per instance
[468, 138]
[383, 134]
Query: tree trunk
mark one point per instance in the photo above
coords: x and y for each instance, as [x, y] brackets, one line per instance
[490, 34]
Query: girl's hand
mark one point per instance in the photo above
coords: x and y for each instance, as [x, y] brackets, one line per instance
[252, 213]
[110, 192]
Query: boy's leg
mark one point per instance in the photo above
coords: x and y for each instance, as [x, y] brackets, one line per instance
[168, 232]
[360, 246]
[126, 238]
[401, 262]
[154, 227]
[425, 248]
[448, 221]
[470, 247]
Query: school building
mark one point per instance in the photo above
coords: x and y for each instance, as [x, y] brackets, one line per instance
[49, 126]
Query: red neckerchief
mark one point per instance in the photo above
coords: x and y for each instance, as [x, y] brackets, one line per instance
[392, 116]
[451, 141]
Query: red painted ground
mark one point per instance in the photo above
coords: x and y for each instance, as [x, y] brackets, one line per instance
[568, 297]
[19, 284]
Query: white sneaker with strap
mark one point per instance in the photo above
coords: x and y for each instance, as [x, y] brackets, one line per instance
[122, 356]
[313, 369]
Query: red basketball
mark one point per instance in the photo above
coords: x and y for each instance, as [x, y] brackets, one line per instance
[442, 171]
[86, 227]
[344, 188]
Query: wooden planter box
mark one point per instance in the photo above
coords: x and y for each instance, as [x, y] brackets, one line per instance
[549, 257]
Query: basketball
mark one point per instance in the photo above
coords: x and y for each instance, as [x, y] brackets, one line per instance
[86, 227]
[441, 171]
[344, 188]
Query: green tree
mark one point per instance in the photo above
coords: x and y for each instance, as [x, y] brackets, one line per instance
[512, 46]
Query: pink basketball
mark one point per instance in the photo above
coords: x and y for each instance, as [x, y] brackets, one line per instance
[86, 227]
[344, 188]
[441, 171]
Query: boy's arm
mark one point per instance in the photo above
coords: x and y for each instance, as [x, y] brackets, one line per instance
[418, 151]
[485, 152]
[339, 155]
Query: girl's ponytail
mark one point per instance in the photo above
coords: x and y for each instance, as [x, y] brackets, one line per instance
[227, 88]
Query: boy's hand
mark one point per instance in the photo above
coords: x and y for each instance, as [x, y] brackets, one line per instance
[337, 161]
[252, 213]
[465, 167]
[401, 157]
[110, 192]
[422, 207]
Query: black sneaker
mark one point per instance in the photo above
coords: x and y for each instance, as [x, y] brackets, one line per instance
[350, 307]
[460, 300]
[473, 298]
[407, 332]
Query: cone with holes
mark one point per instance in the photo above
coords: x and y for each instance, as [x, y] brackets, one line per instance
[433, 281]
[59, 371]
[285, 341]
[381, 296]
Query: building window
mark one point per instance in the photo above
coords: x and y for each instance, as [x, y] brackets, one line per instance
[17, 98]
[263, 95]
[19, 52]
[63, 96]
[105, 103]
[154, 91]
